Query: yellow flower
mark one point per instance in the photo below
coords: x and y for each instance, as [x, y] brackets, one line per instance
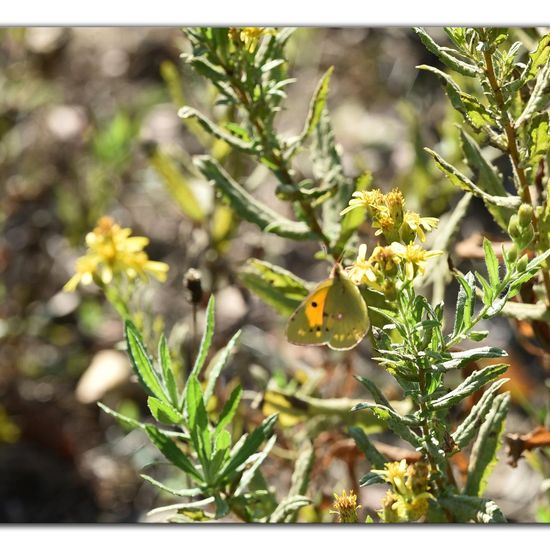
[414, 257]
[249, 36]
[112, 251]
[346, 507]
[373, 201]
[413, 225]
[409, 497]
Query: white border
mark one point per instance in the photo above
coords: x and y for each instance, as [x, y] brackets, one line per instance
[266, 537]
[274, 13]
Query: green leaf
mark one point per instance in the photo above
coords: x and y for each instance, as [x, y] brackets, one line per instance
[465, 69]
[317, 105]
[163, 412]
[206, 340]
[468, 509]
[473, 383]
[172, 452]
[488, 441]
[538, 136]
[488, 178]
[167, 372]
[461, 181]
[276, 286]
[371, 479]
[354, 218]
[249, 208]
[141, 361]
[327, 168]
[229, 409]
[474, 113]
[376, 459]
[197, 421]
[183, 506]
[188, 492]
[302, 470]
[537, 58]
[540, 96]
[460, 358]
[468, 429]
[465, 302]
[177, 185]
[395, 422]
[250, 445]
[491, 262]
[125, 420]
[250, 472]
[377, 395]
[289, 506]
[219, 362]
[215, 130]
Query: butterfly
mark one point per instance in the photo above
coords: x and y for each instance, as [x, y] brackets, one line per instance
[334, 314]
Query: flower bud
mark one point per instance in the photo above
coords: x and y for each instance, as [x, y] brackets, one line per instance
[513, 227]
[525, 215]
[512, 254]
[522, 263]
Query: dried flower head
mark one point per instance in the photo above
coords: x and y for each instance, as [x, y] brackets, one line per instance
[345, 506]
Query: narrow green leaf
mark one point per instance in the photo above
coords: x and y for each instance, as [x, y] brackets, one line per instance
[467, 509]
[163, 412]
[371, 479]
[276, 286]
[177, 185]
[172, 452]
[125, 420]
[465, 69]
[468, 429]
[395, 422]
[377, 395]
[215, 130]
[376, 459]
[465, 302]
[197, 420]
[167, 372]
[491, 262]
[188, 492]
[488, 441]
[540, 96]
[251, 471]
[461, 181]
[229, 409]
[473, 383]
[317, 105]
[219, 363]
[248, 207]
[488, 178]
[206, 340]
[460, 358]
[288, 506]
[537, 58]
[141, 361]
[250, 445]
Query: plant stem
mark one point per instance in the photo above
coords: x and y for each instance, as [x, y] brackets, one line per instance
[514, 155]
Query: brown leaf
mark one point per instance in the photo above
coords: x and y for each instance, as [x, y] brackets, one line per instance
[517, 443]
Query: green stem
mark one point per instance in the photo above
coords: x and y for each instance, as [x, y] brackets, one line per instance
[513, 153]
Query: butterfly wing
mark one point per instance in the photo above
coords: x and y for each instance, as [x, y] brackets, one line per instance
[334, 314]
[306, 325]
[346, 314]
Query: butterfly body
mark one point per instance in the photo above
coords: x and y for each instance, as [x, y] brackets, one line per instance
[334, 314]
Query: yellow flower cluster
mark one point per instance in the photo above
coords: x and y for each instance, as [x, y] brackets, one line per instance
[400, 227]
[390, 217]
[112, 251]
[249, 36]
[345, 506]
[409, 496]
[380, 269]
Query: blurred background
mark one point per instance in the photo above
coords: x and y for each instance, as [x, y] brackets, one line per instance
[81, 109]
